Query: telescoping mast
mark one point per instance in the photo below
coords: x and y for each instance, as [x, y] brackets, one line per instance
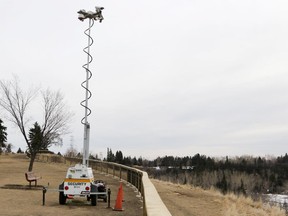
[91, 16]
[79, 181]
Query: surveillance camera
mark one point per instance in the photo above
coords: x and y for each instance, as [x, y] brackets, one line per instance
[91, 15]
[99, 8]
[81, 17]
[81, 14]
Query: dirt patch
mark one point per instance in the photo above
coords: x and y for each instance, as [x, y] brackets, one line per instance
[21, 187]
[18, 199]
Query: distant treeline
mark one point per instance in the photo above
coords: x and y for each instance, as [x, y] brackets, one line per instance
[245, 174]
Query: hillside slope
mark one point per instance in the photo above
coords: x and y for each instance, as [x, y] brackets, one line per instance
[182, 200]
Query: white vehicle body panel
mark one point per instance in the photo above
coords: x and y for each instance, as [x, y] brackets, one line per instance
[78, 180]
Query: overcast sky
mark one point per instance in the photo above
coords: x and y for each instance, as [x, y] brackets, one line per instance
[169, 77]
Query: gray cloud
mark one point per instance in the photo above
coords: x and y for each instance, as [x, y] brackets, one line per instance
[172, 78]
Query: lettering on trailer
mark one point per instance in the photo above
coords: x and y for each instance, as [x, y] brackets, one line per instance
[76, 183]
[78, 180]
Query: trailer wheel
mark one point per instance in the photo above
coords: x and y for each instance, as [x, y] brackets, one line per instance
[62, 198]
[93, 200]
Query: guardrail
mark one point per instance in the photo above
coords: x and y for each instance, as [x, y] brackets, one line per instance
[152, 203]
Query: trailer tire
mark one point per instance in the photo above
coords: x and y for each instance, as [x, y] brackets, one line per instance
[62, 198]
[93, 200]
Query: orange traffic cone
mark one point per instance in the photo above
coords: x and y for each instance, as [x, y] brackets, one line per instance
[122, 193]
[118, 204]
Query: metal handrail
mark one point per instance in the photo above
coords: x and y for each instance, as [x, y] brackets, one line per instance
[152, 203]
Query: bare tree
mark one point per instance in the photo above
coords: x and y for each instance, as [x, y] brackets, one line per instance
[56, 115]
[71, 152]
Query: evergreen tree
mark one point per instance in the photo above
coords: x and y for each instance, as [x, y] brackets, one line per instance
[119, 157]
[222, 185]
[20, 151]
[3, 136]
[110, 155]
[8, 148]
[37, 141]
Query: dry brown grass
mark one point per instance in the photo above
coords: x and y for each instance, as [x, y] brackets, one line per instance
[188, 200]
[246, 206]
[29, 202]
[181, 200]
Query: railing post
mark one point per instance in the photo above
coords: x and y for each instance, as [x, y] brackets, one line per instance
[141, 186]
[44, 190]
[139, 182]
[136, 180]
[94, 165]
[109, 197]
[128, 176]
[120, 173]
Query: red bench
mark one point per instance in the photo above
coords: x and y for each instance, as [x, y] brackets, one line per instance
[31, 177]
